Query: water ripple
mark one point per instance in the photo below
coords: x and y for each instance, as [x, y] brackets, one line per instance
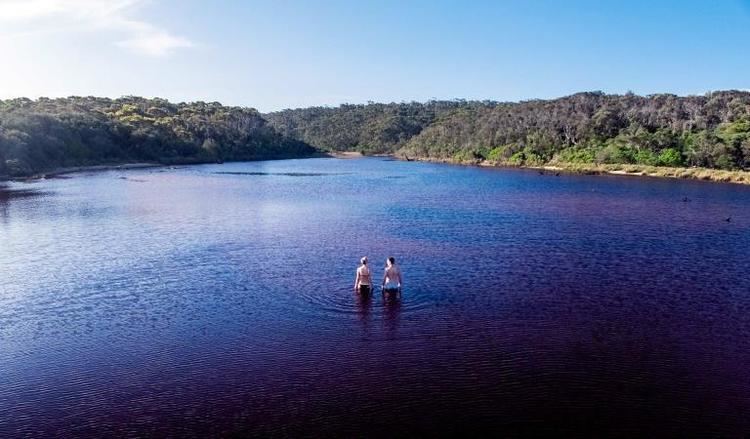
[195, 304]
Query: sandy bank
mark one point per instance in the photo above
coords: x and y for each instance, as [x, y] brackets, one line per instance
[76, 169]
[704, 174]
[345, 154]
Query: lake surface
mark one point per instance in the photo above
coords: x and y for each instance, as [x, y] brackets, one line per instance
[217, 300]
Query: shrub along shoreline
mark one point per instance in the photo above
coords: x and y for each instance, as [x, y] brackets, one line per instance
[692, 173]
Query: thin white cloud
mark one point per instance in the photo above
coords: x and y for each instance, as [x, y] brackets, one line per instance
[105, 16]
[155, 43]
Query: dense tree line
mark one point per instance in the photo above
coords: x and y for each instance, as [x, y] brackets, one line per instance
[665, 130]
[370, 128]
[44, 134]
[709, 131]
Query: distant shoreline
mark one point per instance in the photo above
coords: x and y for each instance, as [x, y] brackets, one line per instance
[354, 154]
[76, 169]
[345, 154]
[135, 165]
[144, 165]
[701, 174]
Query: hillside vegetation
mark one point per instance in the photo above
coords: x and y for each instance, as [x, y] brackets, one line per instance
[371, 128]
[45, 134]
[711, 131]
[586, 129]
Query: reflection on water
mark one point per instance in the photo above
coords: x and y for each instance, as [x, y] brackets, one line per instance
[17, 192]
[364, 305]
[216, 300]
[391, 311]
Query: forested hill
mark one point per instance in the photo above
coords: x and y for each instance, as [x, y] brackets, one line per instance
[41, 135]
[710, 131]
[370, 128]
[664, 130]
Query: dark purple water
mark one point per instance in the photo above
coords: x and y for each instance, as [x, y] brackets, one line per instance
[216, 301]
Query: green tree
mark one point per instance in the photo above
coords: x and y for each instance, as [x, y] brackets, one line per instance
[670, 157]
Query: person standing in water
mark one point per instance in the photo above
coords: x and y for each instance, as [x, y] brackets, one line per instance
[363, 281]
[392, 277]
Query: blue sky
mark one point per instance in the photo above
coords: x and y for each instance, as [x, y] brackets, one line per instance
[283, 54]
